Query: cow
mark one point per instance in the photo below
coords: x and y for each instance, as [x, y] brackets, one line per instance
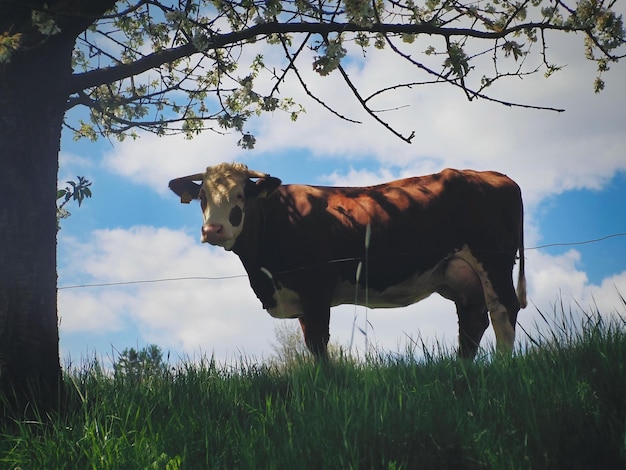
[309, 248]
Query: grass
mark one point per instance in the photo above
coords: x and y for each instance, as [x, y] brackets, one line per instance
[559, 404]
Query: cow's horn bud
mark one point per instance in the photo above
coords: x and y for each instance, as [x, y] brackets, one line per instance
[256, 174]
[196, 177]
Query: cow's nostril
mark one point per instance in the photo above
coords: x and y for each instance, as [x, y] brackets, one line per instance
[208, 229]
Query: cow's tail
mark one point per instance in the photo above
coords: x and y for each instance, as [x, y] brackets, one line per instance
[521, 277]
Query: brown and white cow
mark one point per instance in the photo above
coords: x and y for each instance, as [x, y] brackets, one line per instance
[455, 233]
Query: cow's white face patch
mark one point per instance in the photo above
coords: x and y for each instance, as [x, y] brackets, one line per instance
[222, 201]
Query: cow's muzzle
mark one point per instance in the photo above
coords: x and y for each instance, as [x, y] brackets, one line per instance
[213, 234]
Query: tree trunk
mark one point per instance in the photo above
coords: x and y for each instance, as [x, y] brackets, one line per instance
[32, 104]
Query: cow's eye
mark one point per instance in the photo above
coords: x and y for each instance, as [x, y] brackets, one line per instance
[240, 196]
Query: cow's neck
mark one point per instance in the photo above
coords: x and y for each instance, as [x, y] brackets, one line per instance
[249, 244]
[252, 249]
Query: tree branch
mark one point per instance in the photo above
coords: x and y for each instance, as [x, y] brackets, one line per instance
[369, 111]
[293, 67]
[217, 41]
[467, 91]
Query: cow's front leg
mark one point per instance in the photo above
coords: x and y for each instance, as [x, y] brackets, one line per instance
[316, 333]
[473, 322]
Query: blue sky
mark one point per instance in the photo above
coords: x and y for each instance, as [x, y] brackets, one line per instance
[571, 167]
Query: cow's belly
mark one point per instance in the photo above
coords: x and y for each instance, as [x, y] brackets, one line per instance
[453, 277]
[413, 289]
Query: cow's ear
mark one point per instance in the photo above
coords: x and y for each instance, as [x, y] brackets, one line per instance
[185, 188]
[263, 187]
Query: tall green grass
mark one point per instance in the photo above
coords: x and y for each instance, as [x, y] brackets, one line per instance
[558, 404]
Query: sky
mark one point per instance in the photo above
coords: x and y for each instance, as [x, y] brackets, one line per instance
[133, 234]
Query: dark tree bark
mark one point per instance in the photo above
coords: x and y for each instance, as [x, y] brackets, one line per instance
[32, 100]
[33, 97]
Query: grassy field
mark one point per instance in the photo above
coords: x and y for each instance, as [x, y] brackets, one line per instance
[559, 404]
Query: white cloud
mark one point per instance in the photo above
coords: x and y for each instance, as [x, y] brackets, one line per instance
[72, 165]
[556, 274]
[154, 161]
[186, 315]
[81, 310]
[607, 298]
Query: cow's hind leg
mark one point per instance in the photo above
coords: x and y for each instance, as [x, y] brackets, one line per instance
[503, 307]
[500, 298]
[473, 322]
[463, 285]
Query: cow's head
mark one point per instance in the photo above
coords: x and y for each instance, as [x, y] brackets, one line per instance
[223, 190]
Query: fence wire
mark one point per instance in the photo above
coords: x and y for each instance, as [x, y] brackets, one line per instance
[236, 276]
